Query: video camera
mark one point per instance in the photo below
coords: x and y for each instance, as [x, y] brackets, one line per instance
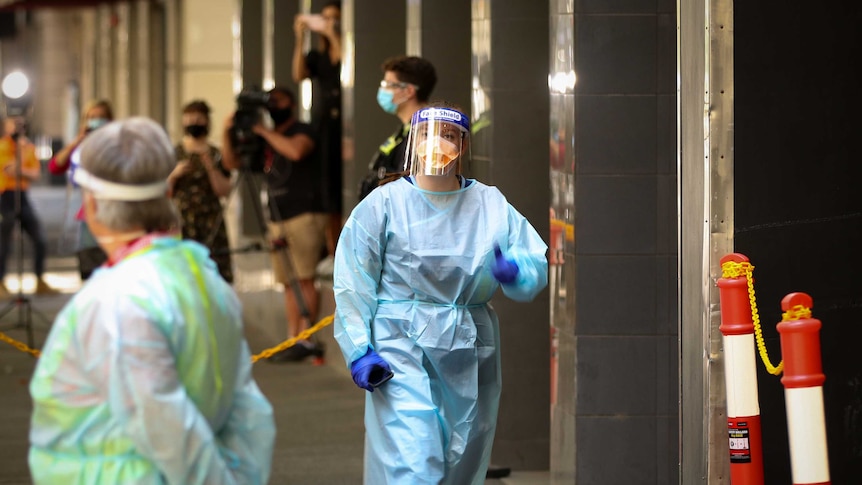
[251, 106]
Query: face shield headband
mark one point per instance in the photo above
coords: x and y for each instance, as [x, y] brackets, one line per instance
[438, 138]
[105, 190]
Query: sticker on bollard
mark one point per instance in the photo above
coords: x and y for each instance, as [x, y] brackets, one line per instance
[740, 446]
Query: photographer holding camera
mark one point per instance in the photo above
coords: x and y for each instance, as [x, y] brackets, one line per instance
[297, 228]
[197, 184]
[18, 168]
[322, 65]
[98, 113]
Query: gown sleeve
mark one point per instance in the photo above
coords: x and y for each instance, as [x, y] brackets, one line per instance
[356, 276]
[529, 252]
[249, 433]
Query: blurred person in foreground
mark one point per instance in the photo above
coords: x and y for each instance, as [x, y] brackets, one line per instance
[19, 167]
[297, 221]
[96, 115]
[415, 269]
[145, 377]
[198, 183]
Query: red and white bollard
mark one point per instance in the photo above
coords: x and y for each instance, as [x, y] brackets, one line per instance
[803, 391]
[740, 375]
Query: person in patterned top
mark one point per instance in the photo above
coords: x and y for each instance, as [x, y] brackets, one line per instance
[197, 185]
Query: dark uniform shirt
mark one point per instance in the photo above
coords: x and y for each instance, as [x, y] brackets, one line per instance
[293, 186]
[389, 159]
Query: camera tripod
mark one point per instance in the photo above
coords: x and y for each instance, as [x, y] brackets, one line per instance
[20, 301]
[278, 246]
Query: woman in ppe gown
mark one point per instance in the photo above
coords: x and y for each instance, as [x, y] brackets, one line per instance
[145, 377]
[416, 265]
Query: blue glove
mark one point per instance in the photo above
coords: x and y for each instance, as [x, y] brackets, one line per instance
[370, 370]
[504, 270]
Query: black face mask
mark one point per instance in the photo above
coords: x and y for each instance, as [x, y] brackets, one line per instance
[196, 131]
[279, 116]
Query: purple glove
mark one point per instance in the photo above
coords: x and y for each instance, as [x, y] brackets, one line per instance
[504, 270]
[370, 370]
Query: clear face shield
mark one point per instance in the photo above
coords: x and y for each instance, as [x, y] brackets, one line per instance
[439, 142]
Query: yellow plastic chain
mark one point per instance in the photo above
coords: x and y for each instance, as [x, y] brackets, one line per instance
[262, 355]
[798, 312]
[291, 341]
[19, 345]
[732, 269]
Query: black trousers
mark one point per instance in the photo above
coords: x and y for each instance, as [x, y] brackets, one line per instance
[29, 225]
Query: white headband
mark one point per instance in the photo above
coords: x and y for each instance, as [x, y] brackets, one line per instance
[103, 189]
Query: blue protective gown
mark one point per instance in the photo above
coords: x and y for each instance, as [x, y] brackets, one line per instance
[146, 378]
[412, 279]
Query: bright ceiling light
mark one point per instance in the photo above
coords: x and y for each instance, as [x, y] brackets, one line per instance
[15, 85]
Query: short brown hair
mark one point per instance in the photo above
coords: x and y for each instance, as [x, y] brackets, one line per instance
[197, 106]
[414, 70]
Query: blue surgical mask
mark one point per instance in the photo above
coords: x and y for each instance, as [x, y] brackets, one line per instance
[94, 123]
[384, 99]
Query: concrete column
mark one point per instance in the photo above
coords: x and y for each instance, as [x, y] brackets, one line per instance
[105, 18]
[304, 88]
[510, 60]
[250, 65]
[143, 55]
[251, 58]
[365, 124]
[267, 30]
[622, 341]
[122, 39]
[414, 27]
[444, 35]
[56, 68]
[88, 79]
[157, 53]
[283, 40]
[173, 80]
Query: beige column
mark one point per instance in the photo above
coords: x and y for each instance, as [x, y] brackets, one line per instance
[173, 69]
[268, 30]
[206, 59]
[105, 18]
[55, 68]
[88, 77]
[144, 51]
[123, 50]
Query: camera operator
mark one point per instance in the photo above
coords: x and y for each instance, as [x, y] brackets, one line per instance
[16, 174]
[292, 171]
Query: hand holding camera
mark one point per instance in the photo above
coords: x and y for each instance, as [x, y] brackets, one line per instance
[299, 26]
[313, 22]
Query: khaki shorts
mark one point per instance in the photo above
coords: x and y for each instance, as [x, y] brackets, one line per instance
[306, 240]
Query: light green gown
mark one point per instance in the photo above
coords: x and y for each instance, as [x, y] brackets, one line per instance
[146, 379]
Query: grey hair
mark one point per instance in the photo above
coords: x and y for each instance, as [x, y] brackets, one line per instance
[133, 151]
